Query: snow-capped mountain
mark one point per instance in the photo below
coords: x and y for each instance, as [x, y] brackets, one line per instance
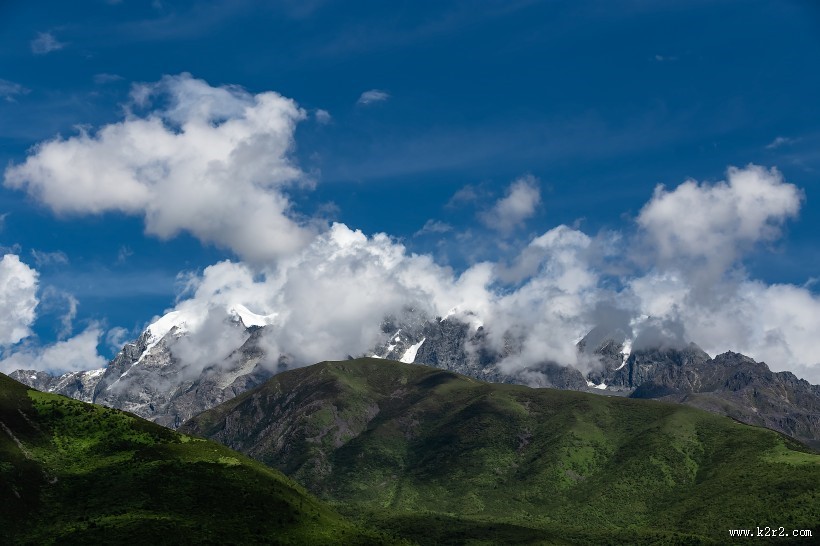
[78, 385]
[148, 379]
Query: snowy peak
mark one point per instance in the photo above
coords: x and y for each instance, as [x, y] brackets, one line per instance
[248, 318]
[467, 317]
[175, 319]
[79, 385]
[189, 320]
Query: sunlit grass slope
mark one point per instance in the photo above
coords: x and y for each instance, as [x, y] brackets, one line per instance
[443, 458]
[72, 472]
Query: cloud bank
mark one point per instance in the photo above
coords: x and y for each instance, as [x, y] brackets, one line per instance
[684, 283]
[214, 161]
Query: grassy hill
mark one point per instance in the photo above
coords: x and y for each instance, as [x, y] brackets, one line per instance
[72, 472]
[443, 458]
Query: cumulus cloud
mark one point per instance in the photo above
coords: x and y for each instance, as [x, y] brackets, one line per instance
[44, 43]
[18, 299]
[546, 315]
[373, 96]
[710, 226]
[512, 210]
[212, 161]
[74, 354]
[774, 323]
[328, 301]
[696, 236]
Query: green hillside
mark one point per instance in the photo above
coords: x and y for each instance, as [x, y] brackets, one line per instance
[72, 472]
[443, 458]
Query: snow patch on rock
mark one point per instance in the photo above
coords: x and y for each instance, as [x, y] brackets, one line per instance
[249, 318]
[410, 354]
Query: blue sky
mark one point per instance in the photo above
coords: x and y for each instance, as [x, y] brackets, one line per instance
[592, 104]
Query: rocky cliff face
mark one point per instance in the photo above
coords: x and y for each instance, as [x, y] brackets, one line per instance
[78, 385]
[730, 384]
[459, 344]
[735, 385]
[146, 378]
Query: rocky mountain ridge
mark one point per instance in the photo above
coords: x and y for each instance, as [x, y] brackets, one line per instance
[146, 378]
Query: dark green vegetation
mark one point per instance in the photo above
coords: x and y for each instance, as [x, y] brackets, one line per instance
[442, 458]
[72, 472]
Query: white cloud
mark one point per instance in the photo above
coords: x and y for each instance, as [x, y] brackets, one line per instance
[520, 203]
[548, 312]
[215, 162]
[77, 353]
[212, 161]
[117, 337]
[9, 91]
[18, 299]
[373, 96]
[44, 43]
[328, 300]
[322, 116]
[773, 323]
[707, 228]
[696, 237]
[42, 258]
[466, 194]
[779, 142]
[433, 226]
[56, 301]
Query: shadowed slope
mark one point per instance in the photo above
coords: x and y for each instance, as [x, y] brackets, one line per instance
[77, 473]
